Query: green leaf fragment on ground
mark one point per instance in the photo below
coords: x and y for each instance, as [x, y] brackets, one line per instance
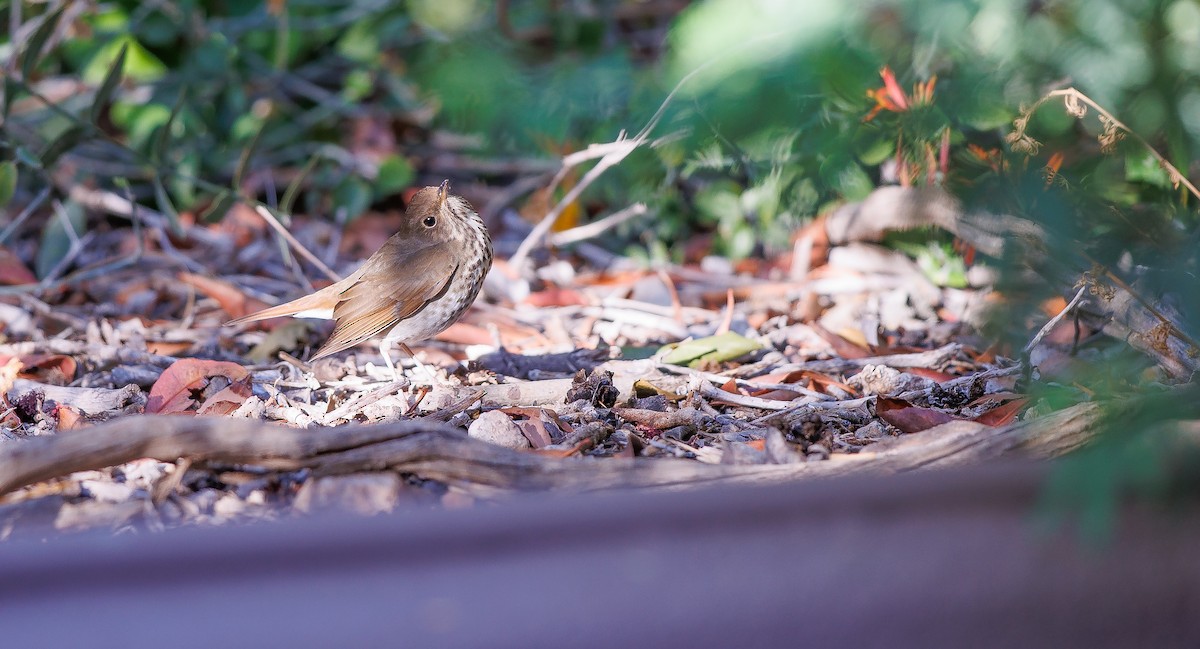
[722, 347]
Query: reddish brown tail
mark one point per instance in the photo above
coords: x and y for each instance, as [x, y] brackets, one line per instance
[323, 300]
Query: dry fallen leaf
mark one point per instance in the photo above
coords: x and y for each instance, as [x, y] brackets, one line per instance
[227, 400]
[539, 425]
[13, 271]
[231, 298]
[172, 392]
[52, 369]
[69, 418]
[909, 418]
[1004, 414]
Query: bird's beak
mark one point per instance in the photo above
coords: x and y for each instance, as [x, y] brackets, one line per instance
[443, 192]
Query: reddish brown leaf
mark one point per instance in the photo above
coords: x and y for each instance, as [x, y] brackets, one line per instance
[539, 425]
[243, 224]
[843, 347]
[68, 418]
[933, 375]
[53, 369]
[227, 400]
[907, 417]
[996, 397]
[13, 271]
[1003, 414]
[556, 297]
[230, 298]
[781, 377]
[466, 334]
[168, 347]
[172, 392]
[776, 395]
[814, 380]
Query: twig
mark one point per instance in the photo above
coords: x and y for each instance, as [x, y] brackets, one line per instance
[117, 205]
[296, 245]
[610, 154]
[596, 228]
[33, 205]
[932, 359]
[717, 394]
[727, 318]
[722, 379]
[1071, 95]
[845, 404]
[355, 405]
[676, 305]
[1055, 320]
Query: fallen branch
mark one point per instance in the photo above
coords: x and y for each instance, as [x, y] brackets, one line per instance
[439, 452]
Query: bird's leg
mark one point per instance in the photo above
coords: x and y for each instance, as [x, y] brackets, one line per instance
[432, 378]
[385, 350]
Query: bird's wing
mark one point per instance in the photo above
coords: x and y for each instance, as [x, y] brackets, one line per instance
[394, 285]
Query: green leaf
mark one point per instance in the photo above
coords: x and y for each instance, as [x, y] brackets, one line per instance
[62, 144]
[167, 207]
[247, 153]
[11, 87]
[722, 347]
[109, 85]
[395, 174]
[1141, 166]
[352, 196]
[873, 146]
[33, 49]
[140, 65]
[57, 237]
[360, 43]
[8, 181]
[219, 207]
[293, 188]
[159, 152]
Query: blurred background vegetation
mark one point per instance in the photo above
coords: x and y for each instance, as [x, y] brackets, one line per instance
[782, 110]
[342, 101]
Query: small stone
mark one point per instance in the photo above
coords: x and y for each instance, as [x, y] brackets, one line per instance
[228, 506]
[107, 491]
[495, 427]
[871, 432]
[363, 493]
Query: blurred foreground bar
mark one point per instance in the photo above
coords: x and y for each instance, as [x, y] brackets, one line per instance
[930, 559]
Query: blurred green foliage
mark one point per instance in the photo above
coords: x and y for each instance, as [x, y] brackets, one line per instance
[770, 117]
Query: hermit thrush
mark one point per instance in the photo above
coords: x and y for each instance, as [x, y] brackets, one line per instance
[420, 282]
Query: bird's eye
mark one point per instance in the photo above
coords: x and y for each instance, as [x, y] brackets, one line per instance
[430, 221]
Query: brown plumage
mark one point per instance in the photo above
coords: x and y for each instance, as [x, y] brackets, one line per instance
[415, 286]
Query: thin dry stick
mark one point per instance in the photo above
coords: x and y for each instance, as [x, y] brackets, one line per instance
[1055, 320]
[296, 245]
[610, 154]
[1071, 95]
[25, 213]
[676, 305]
[596, 228]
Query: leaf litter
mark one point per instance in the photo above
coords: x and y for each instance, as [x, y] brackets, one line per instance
[576, 357]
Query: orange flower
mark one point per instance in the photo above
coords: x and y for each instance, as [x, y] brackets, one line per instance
[891, 96]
